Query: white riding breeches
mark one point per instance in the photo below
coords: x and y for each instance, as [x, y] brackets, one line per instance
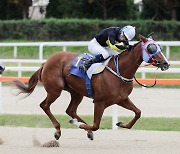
[95, 48]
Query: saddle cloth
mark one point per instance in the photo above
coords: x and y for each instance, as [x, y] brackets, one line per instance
[95, 68]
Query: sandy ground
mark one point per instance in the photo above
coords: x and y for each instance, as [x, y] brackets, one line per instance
[20, 140]
[152, 102]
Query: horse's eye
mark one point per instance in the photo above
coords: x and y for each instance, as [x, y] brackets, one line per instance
[151, 48]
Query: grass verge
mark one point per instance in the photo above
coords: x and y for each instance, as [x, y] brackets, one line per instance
[144, 123]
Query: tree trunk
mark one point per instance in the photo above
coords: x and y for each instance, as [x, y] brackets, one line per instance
[173, 13]
[104, 10]
[24, 14]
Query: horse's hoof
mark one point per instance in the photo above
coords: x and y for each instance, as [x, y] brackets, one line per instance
[90, 135]
[57, 135]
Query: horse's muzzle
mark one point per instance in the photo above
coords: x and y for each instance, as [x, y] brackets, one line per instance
[164, 65]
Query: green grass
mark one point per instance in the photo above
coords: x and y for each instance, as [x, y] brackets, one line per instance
[42, 121]
[33, 52]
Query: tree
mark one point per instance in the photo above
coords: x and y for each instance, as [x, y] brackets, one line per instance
[9, 10]
[172, 5]
[102, 9]
[161, 9]
[116, 8]
[23, 5]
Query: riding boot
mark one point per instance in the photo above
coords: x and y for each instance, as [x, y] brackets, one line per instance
[86, 64]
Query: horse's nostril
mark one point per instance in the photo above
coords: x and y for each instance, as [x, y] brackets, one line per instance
[164, 65]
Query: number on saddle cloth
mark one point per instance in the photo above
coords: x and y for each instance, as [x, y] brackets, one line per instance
[77, 62]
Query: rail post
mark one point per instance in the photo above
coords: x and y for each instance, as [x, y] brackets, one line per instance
[114, 117]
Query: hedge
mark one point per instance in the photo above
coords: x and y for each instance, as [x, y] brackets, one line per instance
[81, 29]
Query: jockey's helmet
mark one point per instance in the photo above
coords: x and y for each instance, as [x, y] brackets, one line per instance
[129, 32]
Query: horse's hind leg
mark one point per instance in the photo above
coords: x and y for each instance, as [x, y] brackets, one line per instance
[74, 103]
[76, 99]
[128, 104]
[45, 105]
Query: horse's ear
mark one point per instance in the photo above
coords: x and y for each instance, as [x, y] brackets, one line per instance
[150, 37]
[142, 38]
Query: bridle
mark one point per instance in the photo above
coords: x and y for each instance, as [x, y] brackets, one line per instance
[151, 60]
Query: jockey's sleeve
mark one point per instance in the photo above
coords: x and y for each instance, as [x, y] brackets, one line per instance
[112, 46]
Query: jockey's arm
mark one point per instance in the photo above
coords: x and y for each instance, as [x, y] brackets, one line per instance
[111, 41]
[112, 44]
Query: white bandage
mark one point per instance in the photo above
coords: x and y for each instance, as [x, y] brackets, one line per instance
[75, 122]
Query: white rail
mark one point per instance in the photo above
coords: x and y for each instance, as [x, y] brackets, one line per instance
[41, 45]
[20, 68]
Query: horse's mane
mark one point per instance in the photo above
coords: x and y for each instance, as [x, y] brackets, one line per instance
[136, 44]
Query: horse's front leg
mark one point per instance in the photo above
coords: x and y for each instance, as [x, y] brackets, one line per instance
[98, 112]
[128, 104]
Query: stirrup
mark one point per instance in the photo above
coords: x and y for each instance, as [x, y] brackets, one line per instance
[82, 68]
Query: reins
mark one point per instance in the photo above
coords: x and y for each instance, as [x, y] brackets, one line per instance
[143, 85]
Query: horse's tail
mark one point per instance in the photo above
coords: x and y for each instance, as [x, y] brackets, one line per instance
[33, 81]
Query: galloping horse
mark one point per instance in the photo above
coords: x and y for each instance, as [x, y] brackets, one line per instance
[108, 89]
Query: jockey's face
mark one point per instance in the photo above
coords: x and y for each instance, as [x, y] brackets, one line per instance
[122, 37]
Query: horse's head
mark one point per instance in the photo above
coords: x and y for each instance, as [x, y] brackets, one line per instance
[152, 53]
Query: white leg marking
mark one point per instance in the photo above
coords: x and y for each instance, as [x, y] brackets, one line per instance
[75, 122]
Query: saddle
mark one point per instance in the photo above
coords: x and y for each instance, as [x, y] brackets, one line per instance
[95, 68]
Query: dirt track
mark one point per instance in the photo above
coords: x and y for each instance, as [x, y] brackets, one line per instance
[19, 140]
[152, 102]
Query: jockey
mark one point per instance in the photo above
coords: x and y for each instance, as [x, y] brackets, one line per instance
[106, 43]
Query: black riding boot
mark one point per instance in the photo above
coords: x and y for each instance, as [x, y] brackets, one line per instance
[86, 64]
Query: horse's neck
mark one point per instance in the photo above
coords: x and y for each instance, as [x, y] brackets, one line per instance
[130, 61]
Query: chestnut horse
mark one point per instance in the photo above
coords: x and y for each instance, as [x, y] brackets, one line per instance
[108, 89]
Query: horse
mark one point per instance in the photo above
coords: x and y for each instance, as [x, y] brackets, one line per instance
[108, 88]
